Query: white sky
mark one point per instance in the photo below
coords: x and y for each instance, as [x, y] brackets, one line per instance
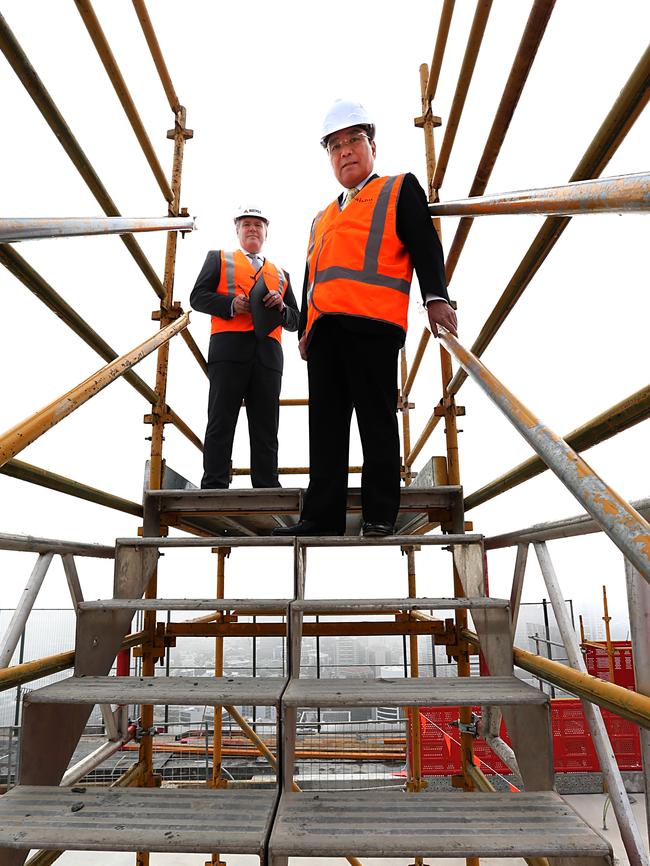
[256, 79]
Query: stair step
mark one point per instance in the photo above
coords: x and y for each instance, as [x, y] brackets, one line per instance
[387, 824]
[411, 692]
[237, 512]
[136, 819]
[260, 605]
[385, 605]
[175, 691]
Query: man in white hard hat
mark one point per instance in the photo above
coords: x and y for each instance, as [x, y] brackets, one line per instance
[362, 251]
[243, 365]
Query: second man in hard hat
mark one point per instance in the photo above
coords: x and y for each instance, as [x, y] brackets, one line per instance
[243, 365]
[362, 251]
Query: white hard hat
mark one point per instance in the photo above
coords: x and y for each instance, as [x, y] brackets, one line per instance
[250, 212]
[345, 113]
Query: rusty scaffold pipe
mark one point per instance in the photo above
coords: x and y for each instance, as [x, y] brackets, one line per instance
[43, 478]
[522, 64]
[526, 53]
[472, 49]
[569, 527]
[625, 414]
[26, 229]
[107, 57]
[157, 55]
[625, 526]
[439, 49]
[626, 193]
[19, 437]
[19, 62]
[630, 103]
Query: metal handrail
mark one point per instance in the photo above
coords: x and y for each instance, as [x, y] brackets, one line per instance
[23, 434]
[33, 228]
[627, 193]
[625, 526]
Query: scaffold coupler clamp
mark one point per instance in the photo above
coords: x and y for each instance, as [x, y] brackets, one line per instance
[470, 728]
[144, 732]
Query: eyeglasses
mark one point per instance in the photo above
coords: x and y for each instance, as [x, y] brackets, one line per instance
[334, 148]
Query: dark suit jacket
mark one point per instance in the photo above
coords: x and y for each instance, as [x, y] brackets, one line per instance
[237, 345]
[416, 231]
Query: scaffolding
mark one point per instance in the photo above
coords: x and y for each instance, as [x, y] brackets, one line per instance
[232, 522]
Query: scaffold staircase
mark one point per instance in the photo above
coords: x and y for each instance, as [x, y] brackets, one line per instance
[284, 822]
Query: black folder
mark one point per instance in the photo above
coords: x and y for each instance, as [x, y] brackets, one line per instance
[265, 320]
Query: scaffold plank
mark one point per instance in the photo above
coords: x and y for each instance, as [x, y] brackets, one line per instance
[131, 819]
[411, 692]
[174, 691]
[382, 824]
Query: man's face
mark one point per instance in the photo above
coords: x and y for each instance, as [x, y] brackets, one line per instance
[251, 232]
[352, 155]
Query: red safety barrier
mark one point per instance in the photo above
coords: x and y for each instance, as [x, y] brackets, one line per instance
[598, 664]
[573, 749]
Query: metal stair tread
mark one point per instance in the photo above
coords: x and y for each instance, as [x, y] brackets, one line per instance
[175, 691]
[211, 604]
[451, 824]
[136, 819]
[411, 691]
[351, 605]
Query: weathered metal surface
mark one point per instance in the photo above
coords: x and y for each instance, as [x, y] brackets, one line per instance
[244, 605]
[634, 845]
[119, 84]
[126, 819]
[18, 675]
[27, 431]
[472, 49]
[625, 414]
[45, 104]
[174, 691]
[628, 193]
[157, 55]
[439, 50]
[410, 692]
[630, 103]
[25, 229]
[638, 601]
[390, 541]
[569, 527]
[380, 824]
[626, 527]
[33, 544]
[23, 608]
[44, 478]
[194, 349]
[526, 53]
[386, 605]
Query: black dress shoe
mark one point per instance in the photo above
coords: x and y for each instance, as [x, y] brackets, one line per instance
[377, 530]
[303, 527]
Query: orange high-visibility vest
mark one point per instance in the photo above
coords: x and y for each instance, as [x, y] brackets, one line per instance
[238, 278]
[358, 266]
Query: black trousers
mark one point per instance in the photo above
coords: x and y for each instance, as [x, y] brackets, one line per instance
[230, 383]
[351, 370]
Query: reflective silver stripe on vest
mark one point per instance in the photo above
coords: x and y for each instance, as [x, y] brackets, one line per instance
[281, 280]
[229, 259]
[312, 234]
[369, 273]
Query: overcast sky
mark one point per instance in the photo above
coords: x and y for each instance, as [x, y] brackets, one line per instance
[256, 79]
